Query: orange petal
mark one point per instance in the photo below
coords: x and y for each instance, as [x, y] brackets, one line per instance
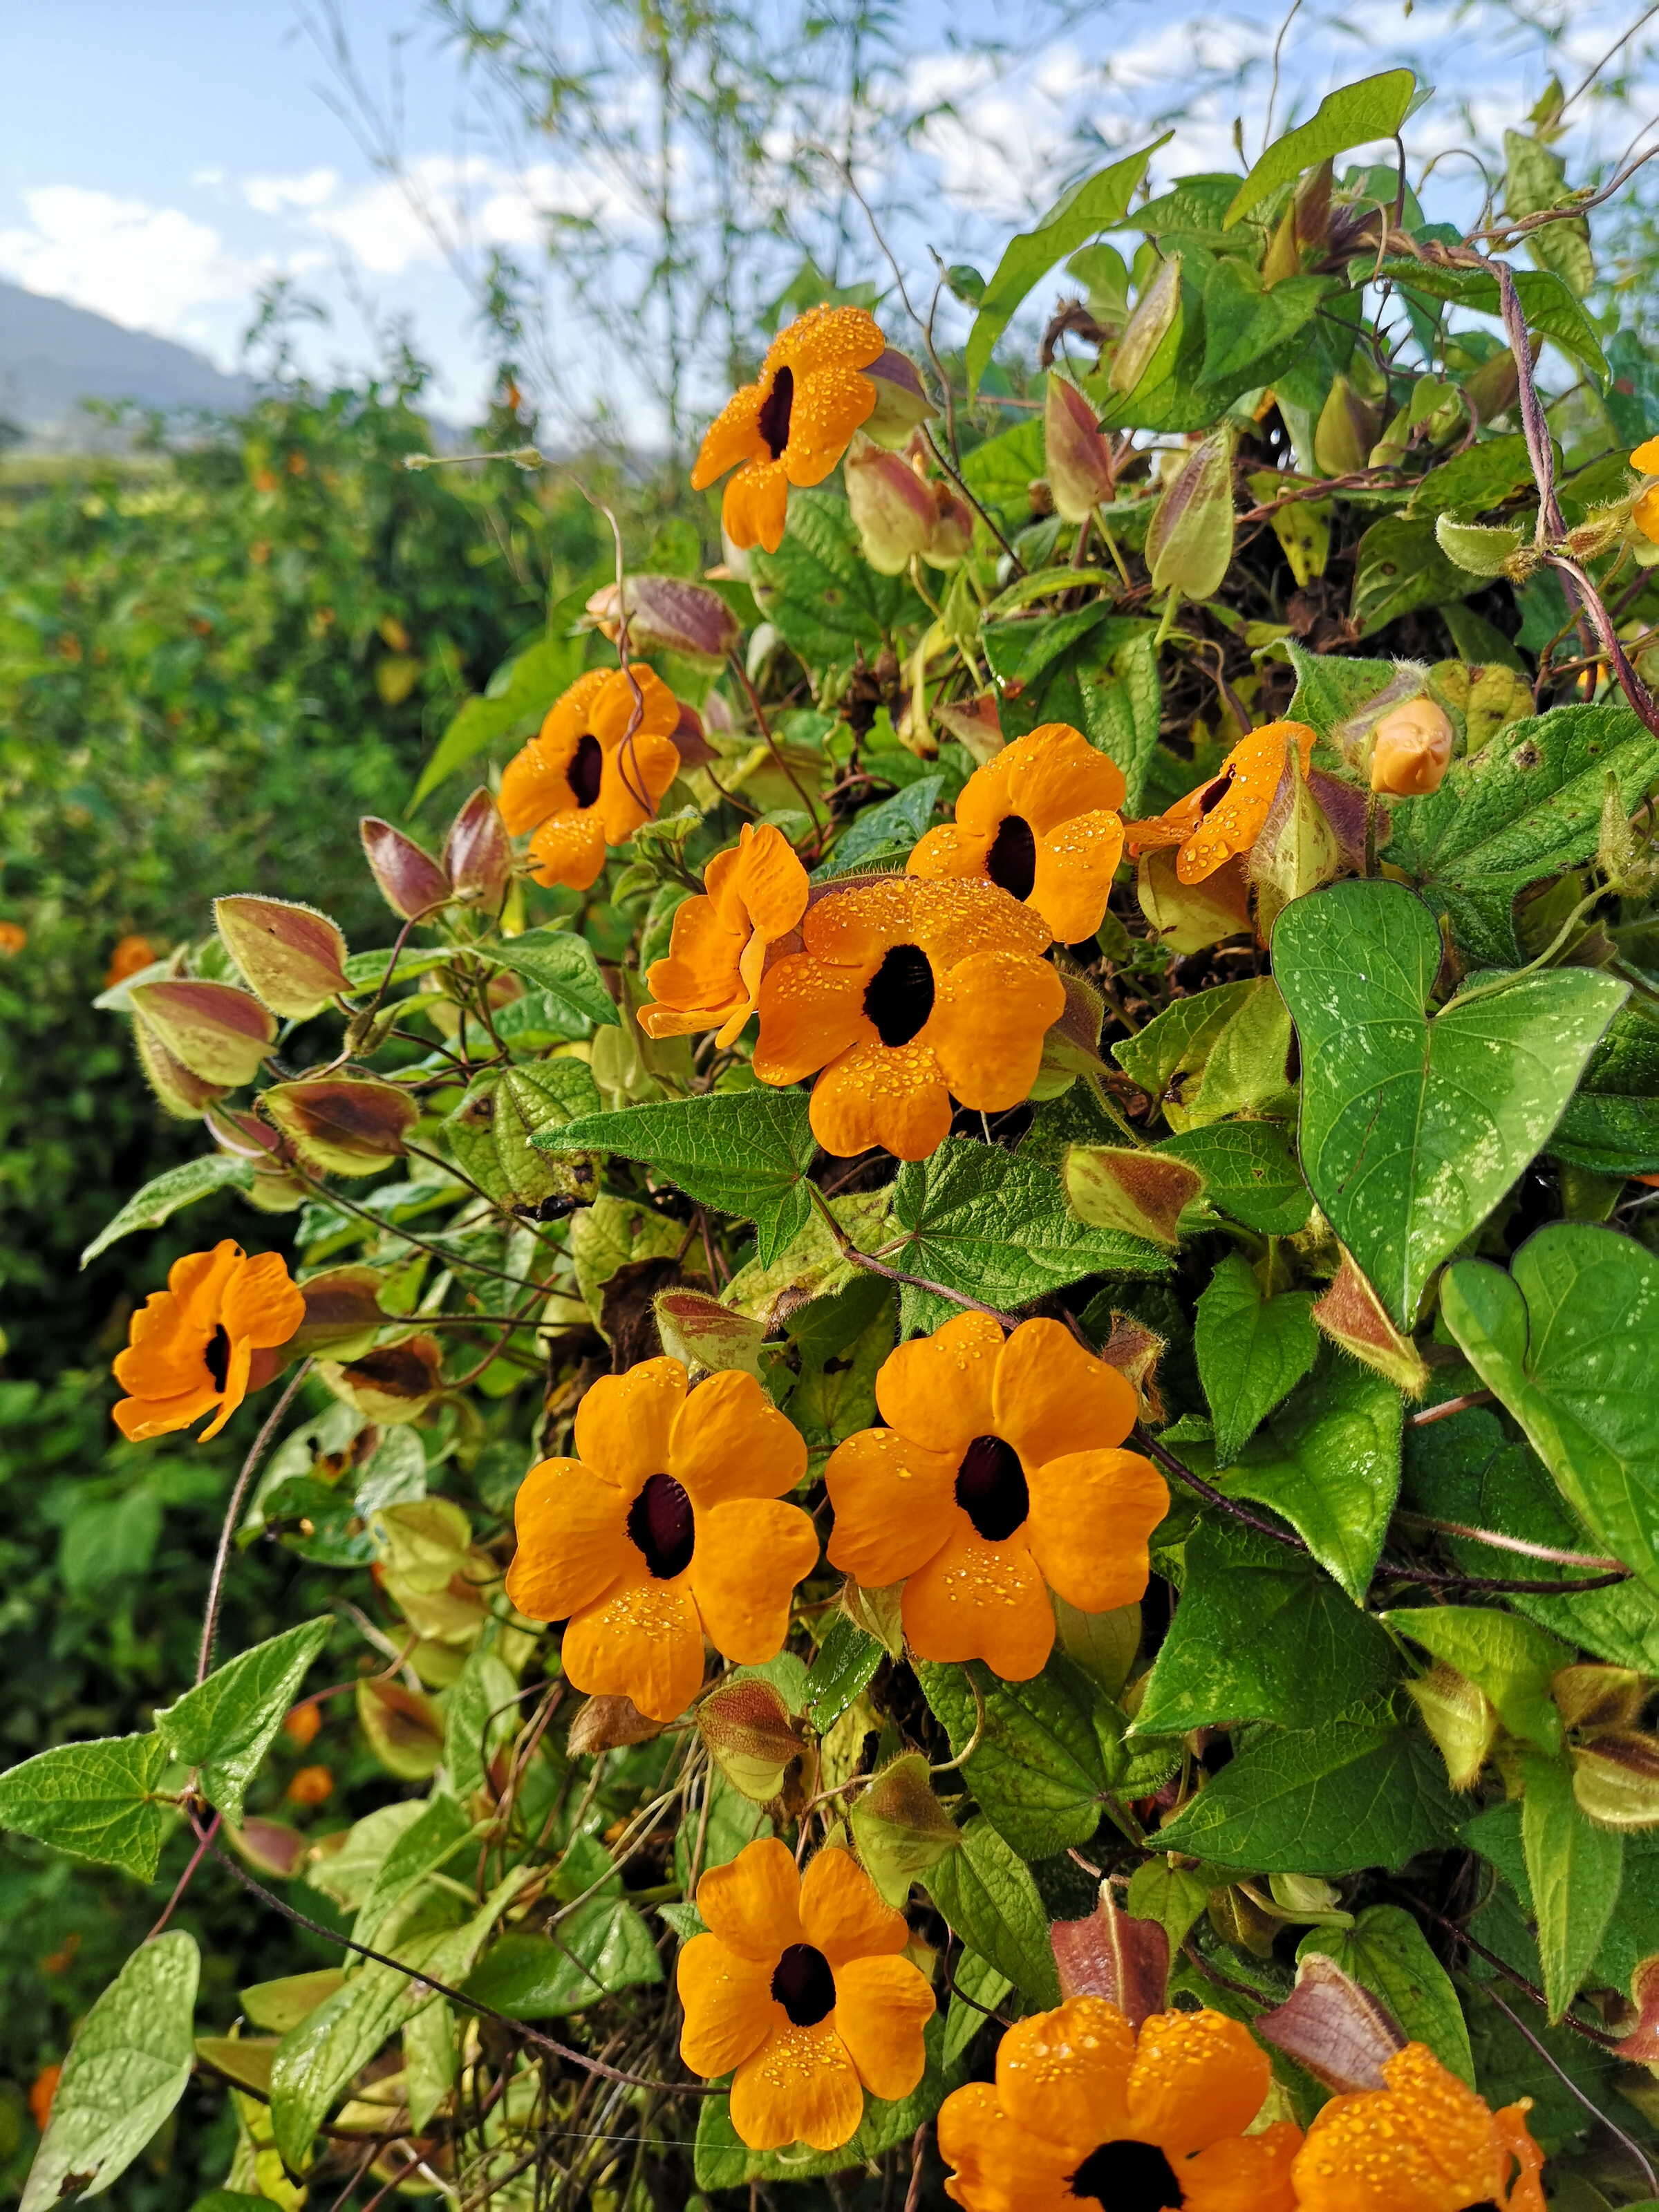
[728, 2003]
[732, 436]
[635, 700]
[947, 853]
[751, 1553]
[138, 1419]
[893, 1505]
[669, 1021]
[811, 1013]
[855, 928]
[534, 785]
[261, 1304]
[1645, 516]
[573, 1542]
[729, 1441]
[1245, 2174]
[1092, 1513]
[568, 849]
[1197, 2076]
[644, 1642]
[1251, 772]
[635, 774]
[1525, 2192]
[842, 1913]
[1064, 2074]
[1046, 777]
[1075, 864]
[756, 505]
[1646, 457]
[980, 1601]
[991, 1013]
[878, 1094]
[828, 406]
[767, 877]
[799, 2086]
[1052, 1397]
[826, 338]
[165, 1355]
[625, 1422]
[882, 2005]
[198, 1280]
[753, 1902]
[999, 2167]
[234, 1389]
[937, 1390]
[566, 721]
[952, 922]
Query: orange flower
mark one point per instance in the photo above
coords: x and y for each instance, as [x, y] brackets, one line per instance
[668, 1526]
[1225, 816]
[300, 1724]
[755, 893]
[909, 991]
[43, 2092]
[1645, 513]
[1425, 2143]
[1040, 820]
[794, 424]
[310, 1785]
[13, 937]
[1086, 2110]
[205, 1341]
[130, 955]
[996, 1480]
[800, 1986]
[594, 772]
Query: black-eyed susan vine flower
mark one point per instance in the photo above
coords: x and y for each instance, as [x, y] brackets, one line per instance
[1041, 821]
[594, 773]
[793, 423]
[1424, 2143]
[669, 1525]
[1645, 513]
[1085, 2111]
[996, 1479]
[753, 894]
[909, 993]
[1224, 816]
[801, 1987]
[201, 1344]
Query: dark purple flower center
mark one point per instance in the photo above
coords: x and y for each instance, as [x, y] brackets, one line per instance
[1012, 861]
[1129, 2176]
[587, 768]
[217, 1355]
[1215, 792]
[773, 421]
[899, 996]
[991, 1488]
[804, 1986]
[661, 1523]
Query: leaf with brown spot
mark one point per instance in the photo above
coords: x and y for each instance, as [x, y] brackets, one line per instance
[1140, 1193]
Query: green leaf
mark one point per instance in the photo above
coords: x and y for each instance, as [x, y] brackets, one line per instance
[1507, 1658]
[481, 1713]
[126, 2069]
[603, 1946]
[1407, 1140]
[1482, 477]
[491, 1135]
[1526, 806]
[1039, 1771]
[741, 1152]
[1219, 1053]
[1331, 688]
[1001, 470]
[1096, 204]
[366, 971]
[561, 963]
[1172, 1896]
[96, 1801]
[980, 1984]
[1574, 1870]
[882, 834]
[1249, 1174]
[430, 1841]
[226, 1725]
[1122, 711]
[846, 1661]
[1330, 1800]
[1357, 115]
[841, 1342]
[1260, 1634]
[1387, 1953]
[1328, 1461]
[986, 1895]
[1550, 307]
[163, 1196]
[1569, 1341]
[1401, 566]
[520, 692]
[1536, 178]
[825, 600]
[1243, 321]
[987, 1223]
[1252, 1351]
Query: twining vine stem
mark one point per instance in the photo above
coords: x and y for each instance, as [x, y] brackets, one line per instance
[257, 1451]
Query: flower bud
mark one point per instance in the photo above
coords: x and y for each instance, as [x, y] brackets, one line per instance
[405, 1730]
[216, 1030]
[1411, 750]
[478, 853]
[1459, 1718]
[270, 1847]
[1616, 1779]
[1142, 1194]
[893, 509]
[412, 883]
[291, 955]
[901, 1828]
[1589, 1695]
[343, 1312]
[687, 735]
[1079, 458]
[752, 1736]
[340, 1124]
[952, 538]
[1352, 1315]
[1190, 541]
[1147, 329]
[902, 400]
[1348, 427]
[666, 613]
[179, 1093]
[607, 1724]
[392, 1384]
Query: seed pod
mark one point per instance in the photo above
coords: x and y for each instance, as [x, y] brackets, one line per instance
[953, 529]
[1348, 427]
[1616, 1779]
[411, 882]
[1189, 543]
[1459, 1718]
[342, 1124]
[1079, 458]
[1147, 327]
[893, 509]
[1411, 750]
[215, 1030]
[291, 955]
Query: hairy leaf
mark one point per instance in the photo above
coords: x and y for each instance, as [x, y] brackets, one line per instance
[96, 1801]
[1252, 1351]
[226, 1725]
[163, 1194]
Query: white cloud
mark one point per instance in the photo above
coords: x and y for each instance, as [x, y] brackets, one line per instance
[272, 195]
[469, 200]
[146, 266]
[207, 177]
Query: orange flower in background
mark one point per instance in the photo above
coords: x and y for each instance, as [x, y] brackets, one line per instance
[794, 424]
[1225, 816]
[909, 992]
[1645, 513]
[1086, 2110]
[301, 1722]
[801, 1987]
[13, 937]
[130, 955]
[668, 1526]
[1040, 821]
[1427, 2143]
[996, 1479]
[310, 1785]
[754, 894]
[604, 757]
[43, 2090]
[205, 1341]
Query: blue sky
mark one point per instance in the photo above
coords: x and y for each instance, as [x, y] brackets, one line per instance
[162, 158]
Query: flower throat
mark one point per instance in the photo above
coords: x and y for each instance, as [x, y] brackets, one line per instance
[1012, 861]
[1129, 2176]
[899, 996]
[992, 1489]
[586, 770]
[661, 1524]
[217, 1355]
[773, 421]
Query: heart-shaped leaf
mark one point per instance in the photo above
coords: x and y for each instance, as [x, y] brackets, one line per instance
[1412, 1129]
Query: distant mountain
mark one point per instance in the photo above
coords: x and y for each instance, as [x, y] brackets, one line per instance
[52, 357]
